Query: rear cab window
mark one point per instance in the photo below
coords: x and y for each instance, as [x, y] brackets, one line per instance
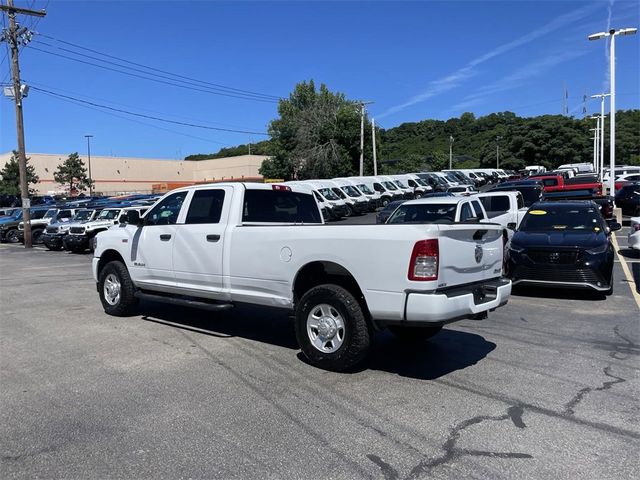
[279, 206]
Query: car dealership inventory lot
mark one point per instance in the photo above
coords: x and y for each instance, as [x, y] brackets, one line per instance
[546, 387]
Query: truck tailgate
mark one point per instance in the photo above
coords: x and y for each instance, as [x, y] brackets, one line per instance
[469, 253]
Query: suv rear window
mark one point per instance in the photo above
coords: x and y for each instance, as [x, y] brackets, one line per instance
[280, 206]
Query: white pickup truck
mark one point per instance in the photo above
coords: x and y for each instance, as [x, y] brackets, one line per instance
[504, 207]
[212, 246]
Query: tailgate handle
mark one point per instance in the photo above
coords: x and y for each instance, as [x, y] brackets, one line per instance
[213, 238]
[479, 234]
[165, 237]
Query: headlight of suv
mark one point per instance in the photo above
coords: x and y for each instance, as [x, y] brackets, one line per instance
[94, 242]
[598, 250]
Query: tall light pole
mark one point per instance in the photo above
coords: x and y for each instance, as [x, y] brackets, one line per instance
[451, 140]
[89, 137]
[373, 137]
[596, 150]
[595, 145]
[363, 107]
[498, 138]
[613, 33]
[601, 96]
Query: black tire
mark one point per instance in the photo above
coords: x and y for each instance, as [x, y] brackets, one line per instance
[356, 335]
[414, 334]
[12, 236]
[126, 303]
[349, 211]
[384, 202]
[36, 236]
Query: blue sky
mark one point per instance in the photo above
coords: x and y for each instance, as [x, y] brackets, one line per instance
[416, 60]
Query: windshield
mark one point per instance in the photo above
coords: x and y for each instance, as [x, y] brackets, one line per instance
[108, 214]
[328, 194]
[560, 218]
[400, 184]
[425, 213]
[83, 215]
[352, 192]
[50, 213]
[421, 182]
[364, 189]
[37, 214]
[451, 176]
[338, 192]
[390, 185]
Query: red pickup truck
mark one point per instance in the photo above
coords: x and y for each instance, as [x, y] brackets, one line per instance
[557, 183]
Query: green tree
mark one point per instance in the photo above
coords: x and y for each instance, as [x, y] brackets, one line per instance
[10, 176]
[317, 135]
[73, 173]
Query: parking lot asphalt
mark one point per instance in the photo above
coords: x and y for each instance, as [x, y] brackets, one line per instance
[546, 387]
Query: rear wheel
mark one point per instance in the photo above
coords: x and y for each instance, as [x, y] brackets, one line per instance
[349, 211]
[116, 290]
[331, 328]
[414, 334]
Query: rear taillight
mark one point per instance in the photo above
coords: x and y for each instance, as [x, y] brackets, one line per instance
[636, 227]
[424, 261]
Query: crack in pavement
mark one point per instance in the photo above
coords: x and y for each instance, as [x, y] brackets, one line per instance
[569, 408]
[630, 348]
[451, 452]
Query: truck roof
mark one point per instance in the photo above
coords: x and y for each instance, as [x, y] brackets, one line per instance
[445, 200]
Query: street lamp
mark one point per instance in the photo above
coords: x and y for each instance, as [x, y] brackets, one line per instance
[601, 96]
[613, 33]
[89, 137]
[595, 139]
[451, 140]
[498, 138]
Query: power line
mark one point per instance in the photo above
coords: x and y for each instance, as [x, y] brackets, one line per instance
[73, 102]
[99, 99]
[149, 78]
[206, 127]
[216, 85]
[222, 92]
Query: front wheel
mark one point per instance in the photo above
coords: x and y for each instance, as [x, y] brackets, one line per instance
[331, 328]
[116, 290]
[414, 334]
[349, 211]
[12, 236]
[36, 236]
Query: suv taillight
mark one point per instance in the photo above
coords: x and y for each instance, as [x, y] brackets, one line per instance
[424, 261]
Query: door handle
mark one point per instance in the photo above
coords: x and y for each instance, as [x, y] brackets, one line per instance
[165, 237]
[213, 238]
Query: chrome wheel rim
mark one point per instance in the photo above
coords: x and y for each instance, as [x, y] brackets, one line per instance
[111, 289]
[325, 328]
[12, 236]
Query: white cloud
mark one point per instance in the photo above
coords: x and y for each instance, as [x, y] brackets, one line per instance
[454, 79]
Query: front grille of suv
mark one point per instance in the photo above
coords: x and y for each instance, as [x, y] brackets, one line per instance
[76, 230]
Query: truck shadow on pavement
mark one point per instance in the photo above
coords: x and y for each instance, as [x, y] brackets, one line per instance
[448, 351]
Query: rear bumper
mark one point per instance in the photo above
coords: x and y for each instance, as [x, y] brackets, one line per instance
[452, 304]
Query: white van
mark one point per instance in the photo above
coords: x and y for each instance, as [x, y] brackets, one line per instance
[338, 205]
[404, 188]
[388, 186]
[363, 203]
[375, 199]
[352, 203]
[374, 185]
[414, 183]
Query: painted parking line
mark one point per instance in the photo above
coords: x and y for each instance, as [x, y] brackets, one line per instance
[627, 272]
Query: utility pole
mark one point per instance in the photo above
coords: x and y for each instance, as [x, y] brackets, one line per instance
[450, 151]
[14, 36]
[498, 138]
[363, 107]
[89, 137]
[373, 137]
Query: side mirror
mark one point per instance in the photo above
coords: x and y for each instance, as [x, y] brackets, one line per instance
[133, 218]
[511, 226]
[614, 226]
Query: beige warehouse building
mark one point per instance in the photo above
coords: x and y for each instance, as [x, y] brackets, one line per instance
[117, 175]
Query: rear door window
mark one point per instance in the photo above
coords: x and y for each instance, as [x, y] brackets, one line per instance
[466, 213]
[205, 206]
[279, 206]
